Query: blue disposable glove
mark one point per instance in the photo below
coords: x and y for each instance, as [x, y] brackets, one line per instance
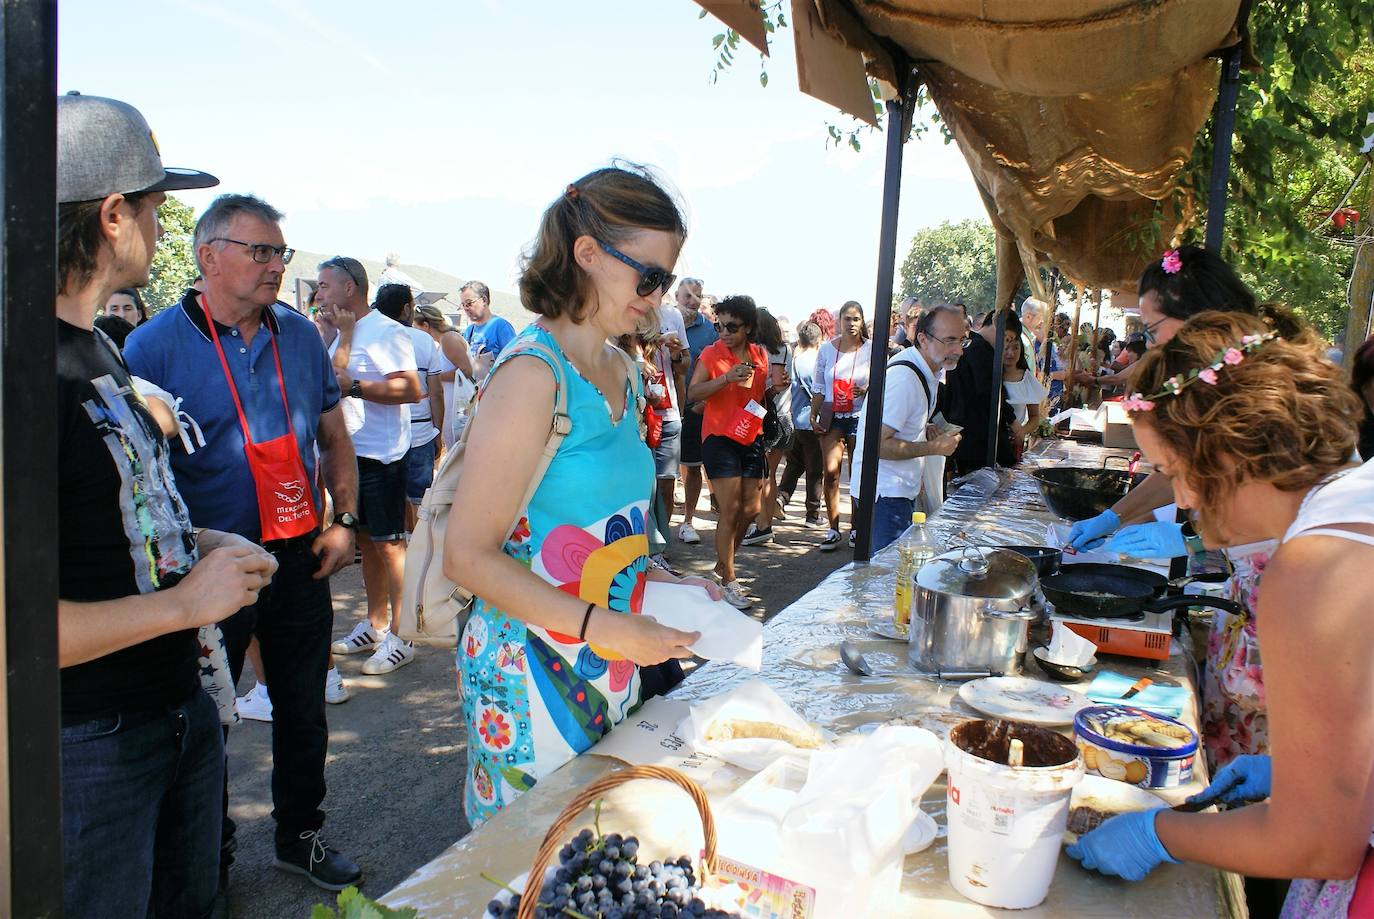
[1163, 539]
[1125, 845]
[1245, 778]
[1087, 534]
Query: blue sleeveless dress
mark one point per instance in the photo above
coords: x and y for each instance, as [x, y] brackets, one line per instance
[534, 699]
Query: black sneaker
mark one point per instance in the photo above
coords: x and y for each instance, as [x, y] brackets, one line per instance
[757, 537]
[317, 860]
[831, 541]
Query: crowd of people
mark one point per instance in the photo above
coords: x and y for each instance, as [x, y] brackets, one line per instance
[223, 458]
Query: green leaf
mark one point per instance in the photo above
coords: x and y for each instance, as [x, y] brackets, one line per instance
[763, 79]
[701, 15]
[854, 142]
[716, 42]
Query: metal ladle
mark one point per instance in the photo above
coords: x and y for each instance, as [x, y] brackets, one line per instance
[853, 659]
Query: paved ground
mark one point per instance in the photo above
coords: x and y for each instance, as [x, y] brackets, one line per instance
[397, 747]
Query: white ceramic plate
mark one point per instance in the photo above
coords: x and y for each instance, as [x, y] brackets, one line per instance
[504, 896]
[1110, 798]
[1020, 699]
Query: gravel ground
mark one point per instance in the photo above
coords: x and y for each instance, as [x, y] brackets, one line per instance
[397, 747]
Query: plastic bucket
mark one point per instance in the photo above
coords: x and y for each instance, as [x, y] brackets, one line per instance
[1006, 823]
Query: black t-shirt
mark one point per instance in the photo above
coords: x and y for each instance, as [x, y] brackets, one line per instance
[966, 398]
[122, 527]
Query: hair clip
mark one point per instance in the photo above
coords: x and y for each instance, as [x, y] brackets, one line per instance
[1172, 263]
[572, 193]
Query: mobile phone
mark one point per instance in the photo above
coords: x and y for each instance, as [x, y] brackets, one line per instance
[943, 426]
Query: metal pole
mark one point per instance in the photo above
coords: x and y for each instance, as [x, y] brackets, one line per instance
[882, 324]
[999, 343]
[30, 761]
[1223, 129]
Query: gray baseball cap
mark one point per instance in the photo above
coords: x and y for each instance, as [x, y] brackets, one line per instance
[105, 147]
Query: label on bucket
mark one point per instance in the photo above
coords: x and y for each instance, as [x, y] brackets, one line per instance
[1004, 813]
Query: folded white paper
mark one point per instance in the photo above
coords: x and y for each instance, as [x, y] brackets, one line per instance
[1069, 648]
[726, 633]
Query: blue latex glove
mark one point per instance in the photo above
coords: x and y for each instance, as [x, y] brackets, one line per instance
[1245, 778]
[1163, 539]
[1087, 534]
[1125, 846]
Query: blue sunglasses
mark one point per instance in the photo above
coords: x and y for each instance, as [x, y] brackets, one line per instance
[650, 279]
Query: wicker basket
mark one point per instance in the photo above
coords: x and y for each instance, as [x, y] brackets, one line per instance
[555, 838]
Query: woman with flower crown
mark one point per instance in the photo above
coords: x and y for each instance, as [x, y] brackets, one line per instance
[1183, 283]
[1256, 432]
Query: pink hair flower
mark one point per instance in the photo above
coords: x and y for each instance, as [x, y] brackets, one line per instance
[1208, 376]
[1171, 263]
[1249, 339]
[1137, 403]
[1233, 356]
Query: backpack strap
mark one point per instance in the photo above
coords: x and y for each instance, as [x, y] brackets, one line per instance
[920, 378]
[560, 426]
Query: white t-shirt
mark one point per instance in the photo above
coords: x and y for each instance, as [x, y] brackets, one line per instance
[380, 347]
[907, 412]
[422, 429]
[670, 323]
[851, 366]
[1024, 393]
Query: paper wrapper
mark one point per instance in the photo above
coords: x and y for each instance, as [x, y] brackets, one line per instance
[726, 633]
[754, 702]
[1069, 648]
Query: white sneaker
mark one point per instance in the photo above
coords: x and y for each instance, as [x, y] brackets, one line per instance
[255, 704]
[335, 692]
[734, 595]
[831, 541]
[362, 638]
[661, 563]
[686, 533]
[390, 654]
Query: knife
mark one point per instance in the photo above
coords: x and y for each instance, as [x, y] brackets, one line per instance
[1140, 684]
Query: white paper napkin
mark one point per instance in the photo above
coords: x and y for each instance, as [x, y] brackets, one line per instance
[752, 701]
[726, 633]
[1069, 648]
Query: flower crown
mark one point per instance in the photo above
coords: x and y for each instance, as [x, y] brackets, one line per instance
[1227, 357]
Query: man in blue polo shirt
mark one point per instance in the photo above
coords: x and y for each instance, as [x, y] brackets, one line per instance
[488, 334]
[227, 351]
[700, 333]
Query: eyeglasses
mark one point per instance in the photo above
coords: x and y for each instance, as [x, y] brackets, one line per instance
[1149, 330]
[963, 341]
[730, 327]
[261, 252]
[651, 280]
[341, 263]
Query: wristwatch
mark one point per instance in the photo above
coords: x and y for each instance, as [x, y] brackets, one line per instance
[347, 521]
[356, 390]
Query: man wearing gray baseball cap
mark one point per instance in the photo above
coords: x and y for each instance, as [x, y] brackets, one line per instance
[142, 751]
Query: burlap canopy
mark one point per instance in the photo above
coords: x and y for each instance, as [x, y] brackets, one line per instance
[1075, 116]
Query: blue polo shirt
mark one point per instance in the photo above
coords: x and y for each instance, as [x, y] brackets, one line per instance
[175, 351]
[700, 335]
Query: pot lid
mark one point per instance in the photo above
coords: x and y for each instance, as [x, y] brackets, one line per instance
[984, 572]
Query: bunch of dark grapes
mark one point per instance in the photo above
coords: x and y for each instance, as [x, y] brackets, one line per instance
[601, 878]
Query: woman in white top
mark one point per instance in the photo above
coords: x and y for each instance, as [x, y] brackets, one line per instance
[1256, 433]
[839, 383]
[1024, 392]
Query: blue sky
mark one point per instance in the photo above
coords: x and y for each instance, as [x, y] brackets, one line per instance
[441, 130]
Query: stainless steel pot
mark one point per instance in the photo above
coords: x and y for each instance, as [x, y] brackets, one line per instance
[970, 613]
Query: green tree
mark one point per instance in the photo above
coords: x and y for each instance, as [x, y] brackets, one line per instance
[174, 261]
[954, 263]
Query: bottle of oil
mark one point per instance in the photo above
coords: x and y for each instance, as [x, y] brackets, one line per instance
[915, 547]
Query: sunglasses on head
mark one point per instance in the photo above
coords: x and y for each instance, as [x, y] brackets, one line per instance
[339, 263]
[651, 280]
[731, 327]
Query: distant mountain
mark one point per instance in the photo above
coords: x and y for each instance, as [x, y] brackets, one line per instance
[505, 304]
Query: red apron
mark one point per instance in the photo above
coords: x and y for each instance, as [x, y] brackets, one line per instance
[285, 508]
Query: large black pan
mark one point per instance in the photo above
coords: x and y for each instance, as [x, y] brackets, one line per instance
[1116, 592]
[1078, 493]
[1046, 559]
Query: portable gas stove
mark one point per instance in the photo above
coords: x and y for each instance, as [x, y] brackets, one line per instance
[1144, 635]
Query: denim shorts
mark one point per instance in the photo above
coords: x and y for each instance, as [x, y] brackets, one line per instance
[420, 470]
[726, 458]
[668, 451]
[847, 426]
[690, 452]
[382, 498]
